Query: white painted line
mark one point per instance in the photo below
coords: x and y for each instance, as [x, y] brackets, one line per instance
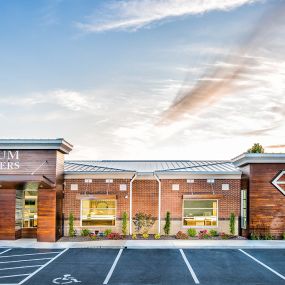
[25, 254]
[8, 276]
[189, 267]
[24, 260]
[42, 267]
[5, 250]
[264, 265]
[113, 267]
[18, 267]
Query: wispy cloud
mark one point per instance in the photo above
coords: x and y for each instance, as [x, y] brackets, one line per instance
[135, 14]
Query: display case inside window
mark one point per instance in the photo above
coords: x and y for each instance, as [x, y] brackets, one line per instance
[30, 207]
[200, 213]
[19, 209]
[98, 212]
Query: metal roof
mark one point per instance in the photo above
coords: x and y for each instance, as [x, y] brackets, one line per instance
[150, 166]
[32, 144]
[247, 158]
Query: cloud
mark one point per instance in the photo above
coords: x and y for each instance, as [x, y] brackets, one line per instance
[135, 14]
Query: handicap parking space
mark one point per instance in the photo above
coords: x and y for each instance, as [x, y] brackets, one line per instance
[18, 264]
[151, 266]
[229, 266]
[82, 266]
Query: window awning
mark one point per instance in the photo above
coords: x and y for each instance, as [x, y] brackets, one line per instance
[18, 181]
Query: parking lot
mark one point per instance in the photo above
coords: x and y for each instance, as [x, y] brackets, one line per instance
[142, 266]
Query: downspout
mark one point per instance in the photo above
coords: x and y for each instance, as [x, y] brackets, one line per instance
[131, 202]
[159, 201]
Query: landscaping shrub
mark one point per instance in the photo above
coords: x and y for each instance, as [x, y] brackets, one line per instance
[157, 236]
[167, 223]
[85, 232]
[283, 236]
[71, 230]
[134, 236]
[93, 236]
[232, 223]
[268, 236]
[213, 233]
[145, 235]
[107, 232]
[114, 236]
[203, 234]
[224, 236]
[181, 235]
[124, 223]
[143, 222]
[192, 232]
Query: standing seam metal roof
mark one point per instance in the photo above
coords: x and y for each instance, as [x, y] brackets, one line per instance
[147, 166]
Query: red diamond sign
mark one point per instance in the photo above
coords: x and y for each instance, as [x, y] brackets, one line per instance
[279, 181]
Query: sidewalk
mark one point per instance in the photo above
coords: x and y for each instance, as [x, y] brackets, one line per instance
[137, 244]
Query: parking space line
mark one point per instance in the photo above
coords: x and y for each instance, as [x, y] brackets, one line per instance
[25, 254]
[264, 265]
[24, 260]
[5, 250]
[196, 280]
[43, 266]
[19, 267]
[16, 275]
[113, 267]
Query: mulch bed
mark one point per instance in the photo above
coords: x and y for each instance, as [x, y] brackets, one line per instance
[139, 237]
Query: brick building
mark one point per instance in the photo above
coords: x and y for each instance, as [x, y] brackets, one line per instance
[38, 191]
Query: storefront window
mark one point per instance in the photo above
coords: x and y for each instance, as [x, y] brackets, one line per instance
[200, 213]
[98, 212]
[30, 211]
[243, 209]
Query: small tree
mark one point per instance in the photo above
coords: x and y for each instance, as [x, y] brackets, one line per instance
[232, 223]
[256, 148]
[124, 223]
[143, 222]
[166, 227]
[71, 231]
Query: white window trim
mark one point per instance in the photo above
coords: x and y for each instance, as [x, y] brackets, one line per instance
[200, 227]
[242, 225]
[81, 208]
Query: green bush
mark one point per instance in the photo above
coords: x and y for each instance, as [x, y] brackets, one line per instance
[107, 232]
[191, 232]
[85, 232]
[157, 236]
[232, 223]
[134, 236]
[254, 236]
[125, 223]
[167, 223]
[143, 222]
[213, 233]
[268, 236]
[71, 230]
[145, 235]
[283, 236]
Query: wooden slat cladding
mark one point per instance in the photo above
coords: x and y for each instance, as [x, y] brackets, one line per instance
[7, 213]
[31, 160]
[266, 203]
[29, 233]
[46, 215]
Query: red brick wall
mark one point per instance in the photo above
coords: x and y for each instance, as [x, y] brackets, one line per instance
[145, 195]
[172, 200]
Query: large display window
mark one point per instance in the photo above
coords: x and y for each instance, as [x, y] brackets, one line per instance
[30, 207]
[200, 213]
[98, 212]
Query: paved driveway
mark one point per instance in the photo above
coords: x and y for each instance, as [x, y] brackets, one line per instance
[142, 266]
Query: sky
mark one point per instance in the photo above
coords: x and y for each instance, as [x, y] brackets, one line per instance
[144, 79]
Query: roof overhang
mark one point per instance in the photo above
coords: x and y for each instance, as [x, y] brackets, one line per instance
[36, 144]
[251, 158]
[18, 181]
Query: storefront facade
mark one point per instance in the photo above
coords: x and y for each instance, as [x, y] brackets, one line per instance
[39, 191]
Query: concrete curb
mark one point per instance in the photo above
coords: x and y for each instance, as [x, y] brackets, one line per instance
[148, 244]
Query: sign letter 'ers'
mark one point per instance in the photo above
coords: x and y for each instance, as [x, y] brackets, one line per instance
[278, 184]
